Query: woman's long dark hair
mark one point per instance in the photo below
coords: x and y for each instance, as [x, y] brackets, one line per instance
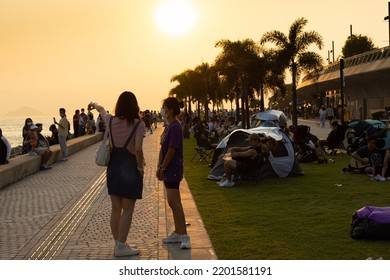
[26, 121]
[127, 107]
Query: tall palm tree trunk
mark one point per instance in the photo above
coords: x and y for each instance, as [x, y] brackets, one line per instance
[245, 103]
[190, 109]
[294, 95]
[247, 113]
[262, 97]
[206, 109]
[237, 107]
[242, 91]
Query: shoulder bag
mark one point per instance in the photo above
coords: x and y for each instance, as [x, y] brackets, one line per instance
[104, 150]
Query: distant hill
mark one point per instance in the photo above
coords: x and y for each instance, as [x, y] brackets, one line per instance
[25, 111]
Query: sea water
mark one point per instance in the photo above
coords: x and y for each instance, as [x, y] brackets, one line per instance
[12, 127]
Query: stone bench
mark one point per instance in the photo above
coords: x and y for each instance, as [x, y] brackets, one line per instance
[25, 165]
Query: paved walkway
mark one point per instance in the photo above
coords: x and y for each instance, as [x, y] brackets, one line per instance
[63, 213]
[315, 128]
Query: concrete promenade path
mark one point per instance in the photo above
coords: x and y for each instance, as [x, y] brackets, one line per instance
[63, 214]
[320, 132]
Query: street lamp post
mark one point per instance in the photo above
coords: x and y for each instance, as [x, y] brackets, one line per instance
[342, 90]
[388, 18]
[333, 51]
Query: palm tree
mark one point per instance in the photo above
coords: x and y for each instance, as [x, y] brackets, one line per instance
[293, 54]
[208, 85]
[186, 88]
[237, 62]
[272, 76]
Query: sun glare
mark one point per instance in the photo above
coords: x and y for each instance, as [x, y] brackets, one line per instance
[176, 16]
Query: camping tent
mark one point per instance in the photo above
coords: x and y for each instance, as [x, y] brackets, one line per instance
[281, 162]
[269, 118]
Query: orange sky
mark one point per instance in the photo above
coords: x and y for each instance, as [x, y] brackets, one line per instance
[66, 53]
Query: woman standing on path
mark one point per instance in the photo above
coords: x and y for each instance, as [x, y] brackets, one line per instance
[170, 170]
[329, 114]
[322, 113]
[125, 171]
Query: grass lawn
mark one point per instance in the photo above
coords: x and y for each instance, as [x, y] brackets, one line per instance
[298, 218]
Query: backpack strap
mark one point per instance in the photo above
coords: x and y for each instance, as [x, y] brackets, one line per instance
[132, 134]
[110, 134]
[128, 139]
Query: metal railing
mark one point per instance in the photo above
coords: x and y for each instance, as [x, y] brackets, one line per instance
[355, 60]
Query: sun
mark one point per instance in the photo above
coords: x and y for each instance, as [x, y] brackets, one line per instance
[176, 16]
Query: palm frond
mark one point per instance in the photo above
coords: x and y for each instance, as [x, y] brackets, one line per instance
[309, 61]
[296, 29]
[276, 37]
[308, 38]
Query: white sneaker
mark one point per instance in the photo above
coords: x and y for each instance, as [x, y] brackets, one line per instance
[125, 251]
[224, 179]
[374, 178]
[185, 242]
[226, 184]
[220, 182]
[173, 238]
[378, 178]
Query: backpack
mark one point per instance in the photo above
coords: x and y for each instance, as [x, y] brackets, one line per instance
[371, 222]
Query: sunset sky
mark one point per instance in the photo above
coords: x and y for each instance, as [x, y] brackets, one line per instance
[66, 53]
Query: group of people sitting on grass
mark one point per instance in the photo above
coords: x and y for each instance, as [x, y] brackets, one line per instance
[309, 148]
[371, 159]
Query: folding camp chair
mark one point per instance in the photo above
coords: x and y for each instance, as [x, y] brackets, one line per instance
[253, 176]
[334, 143]
[204, 150]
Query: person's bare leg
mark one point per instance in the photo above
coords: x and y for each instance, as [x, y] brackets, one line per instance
[116, 211]
[125, 219]
[46, 156]
[229, 167]
[174, 202]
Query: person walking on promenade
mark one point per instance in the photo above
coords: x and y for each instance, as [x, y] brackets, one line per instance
[322, 116]
[63, 130]
[329, 114]
[170, 170]
[125, 170]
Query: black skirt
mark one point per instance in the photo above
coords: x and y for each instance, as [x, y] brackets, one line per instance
[123, 177]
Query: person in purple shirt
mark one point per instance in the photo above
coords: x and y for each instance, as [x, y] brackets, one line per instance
[170, 170]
